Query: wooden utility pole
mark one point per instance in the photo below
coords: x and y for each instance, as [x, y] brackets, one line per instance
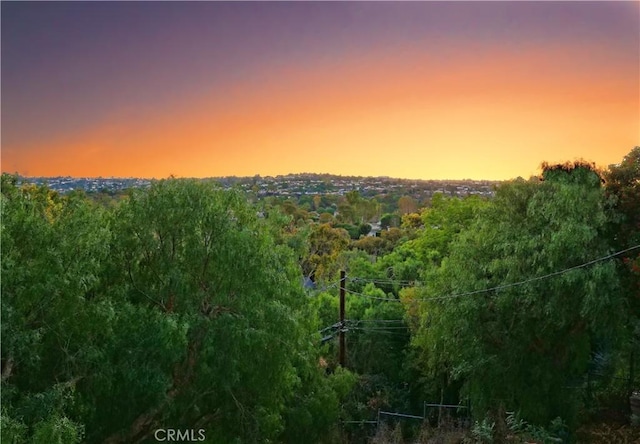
[342, 326]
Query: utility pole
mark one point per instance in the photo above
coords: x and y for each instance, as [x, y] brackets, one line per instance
[342, 326]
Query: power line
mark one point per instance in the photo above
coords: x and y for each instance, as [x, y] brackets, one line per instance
[398, 333]
[504, 286]
[371, 297]
[336, 325]
[539, 278]
[385, 281]
[404, 327]
[376, 326]
[316, 290]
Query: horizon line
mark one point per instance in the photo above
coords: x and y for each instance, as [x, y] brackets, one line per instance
[172, 176]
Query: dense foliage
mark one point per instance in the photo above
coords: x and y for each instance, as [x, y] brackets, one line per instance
[175, 309]
[525, 347]
[189, 307]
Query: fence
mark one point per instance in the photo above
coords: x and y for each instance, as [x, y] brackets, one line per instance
[426, 405]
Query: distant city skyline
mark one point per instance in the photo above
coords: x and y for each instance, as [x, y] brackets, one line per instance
[416, 90]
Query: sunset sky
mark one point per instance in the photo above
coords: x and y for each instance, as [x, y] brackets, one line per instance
[429, 90]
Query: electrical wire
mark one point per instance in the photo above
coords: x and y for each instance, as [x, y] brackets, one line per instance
[316, 290]
[404, 327]
[538, 278]
[384, 281]
[377, 298]
[504, 286]
[328, 338]
[336, 325]
[386, 325]
[382, 331]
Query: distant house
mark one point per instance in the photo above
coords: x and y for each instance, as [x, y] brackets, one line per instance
[376, 227]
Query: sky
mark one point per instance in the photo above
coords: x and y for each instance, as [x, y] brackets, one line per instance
[417, 90]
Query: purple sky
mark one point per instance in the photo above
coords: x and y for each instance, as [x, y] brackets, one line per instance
[70, 66]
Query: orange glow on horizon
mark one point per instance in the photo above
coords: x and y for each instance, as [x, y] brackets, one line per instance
[486, 115]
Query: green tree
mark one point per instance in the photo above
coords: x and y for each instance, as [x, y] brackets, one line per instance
[52, 253]
[443, 221]
[179, 308]
[522, 347]
[623, 189]
[378, 336]
[389, 220]
[199, 258]
[325, 245]
[346, 213]
[411, 221]
[354, 209]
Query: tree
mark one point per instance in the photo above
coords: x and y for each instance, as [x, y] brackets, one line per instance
[411, 221]
[325, 245]
[52, 253]
[376, 342]
[373, 245]
[346, 213]
[443, 221]
[394, 236]
[354, 209]
[521, 347]
[389, 220]
[623, 186]
[623, 189]
[197, 258]
[407, 205]
[178, 308]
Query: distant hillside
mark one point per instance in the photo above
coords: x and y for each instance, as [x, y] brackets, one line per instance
[292, 185]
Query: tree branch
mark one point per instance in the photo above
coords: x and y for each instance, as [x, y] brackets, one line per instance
[142, 427]
[7, 368]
